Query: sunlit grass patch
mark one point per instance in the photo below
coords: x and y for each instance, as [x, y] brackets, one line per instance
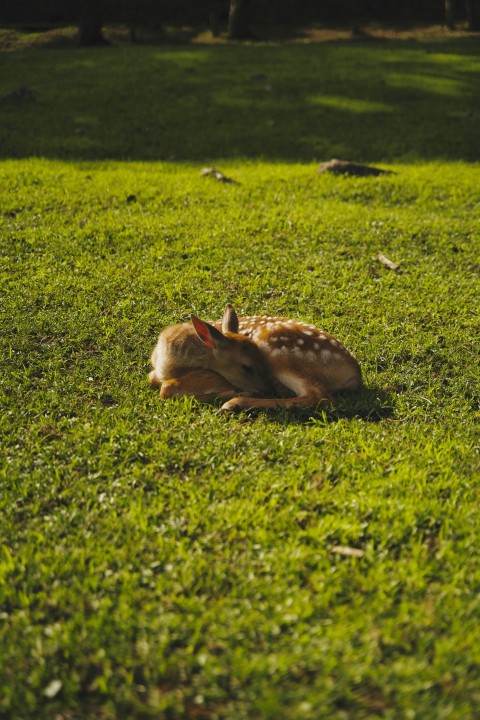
[160, 560]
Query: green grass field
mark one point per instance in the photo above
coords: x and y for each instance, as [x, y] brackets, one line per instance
[158, 560]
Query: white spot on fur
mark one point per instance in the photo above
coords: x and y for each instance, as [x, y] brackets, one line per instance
[272, 326]
[300, 342]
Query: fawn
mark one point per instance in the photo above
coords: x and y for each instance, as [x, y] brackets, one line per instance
[287, 362]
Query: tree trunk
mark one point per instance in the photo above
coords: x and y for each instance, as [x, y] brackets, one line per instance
[213, 17]
[238, 20]
[473, 14]
[449, 14]
[90, 30]
[354, 13]
[213, 22]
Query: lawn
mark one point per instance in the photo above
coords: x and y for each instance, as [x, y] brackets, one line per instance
[157, 559]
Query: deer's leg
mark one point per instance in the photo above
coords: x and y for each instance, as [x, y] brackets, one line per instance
[205, 385]
[312, 395]
[153, 380]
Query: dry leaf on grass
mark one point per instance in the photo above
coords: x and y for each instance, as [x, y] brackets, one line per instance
[19, 95]
[345, 167]
[388, 263]
[53, 688]
[347, 551]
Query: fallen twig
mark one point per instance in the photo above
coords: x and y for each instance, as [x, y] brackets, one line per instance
[218, 175]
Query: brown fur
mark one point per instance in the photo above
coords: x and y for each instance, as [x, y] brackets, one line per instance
[252, 355]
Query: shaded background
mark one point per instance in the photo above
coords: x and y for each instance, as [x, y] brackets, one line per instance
[239, 15]
[363, 100]
[367, 102]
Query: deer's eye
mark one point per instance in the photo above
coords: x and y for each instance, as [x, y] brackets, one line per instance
[247, 369]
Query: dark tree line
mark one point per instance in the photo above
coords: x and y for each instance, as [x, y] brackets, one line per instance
[90, 23]
[473, 14]
[236, 16]
[236, 13]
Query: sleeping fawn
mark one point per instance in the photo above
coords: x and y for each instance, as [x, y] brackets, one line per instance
[285, 363]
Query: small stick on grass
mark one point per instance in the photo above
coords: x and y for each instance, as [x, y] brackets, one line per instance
[388, 263]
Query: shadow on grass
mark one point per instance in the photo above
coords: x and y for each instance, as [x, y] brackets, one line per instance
[369, 102]
[371, 405]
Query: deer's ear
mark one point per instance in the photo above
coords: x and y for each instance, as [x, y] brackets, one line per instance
[230, 320]
[209, 335]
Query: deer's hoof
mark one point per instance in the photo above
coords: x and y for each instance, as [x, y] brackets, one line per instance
[233, 405]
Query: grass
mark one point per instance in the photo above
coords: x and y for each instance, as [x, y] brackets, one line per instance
[283, 103]
[160, 560]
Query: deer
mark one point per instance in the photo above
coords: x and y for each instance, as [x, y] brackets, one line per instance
[252, 362]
